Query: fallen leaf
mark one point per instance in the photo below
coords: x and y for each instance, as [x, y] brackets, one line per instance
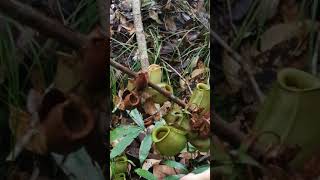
[170, 24]
[283, 32]
[149, 107]
[20, 125]
[198, 72]
[192, 36]
[161, 171]
[148, 163]
[154, 15]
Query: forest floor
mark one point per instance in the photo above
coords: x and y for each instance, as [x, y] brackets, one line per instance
[179, 43]
[269, 36]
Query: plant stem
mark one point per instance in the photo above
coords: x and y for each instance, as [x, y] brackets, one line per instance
[141, 39]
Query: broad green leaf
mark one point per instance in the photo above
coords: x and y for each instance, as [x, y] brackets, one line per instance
[200, 169]
[124, 143]
[145, 148]
[159, 123]
[173, 177]
[80, 165]
[137, 117]
[122, 131]
[176, 165]
[145, 174]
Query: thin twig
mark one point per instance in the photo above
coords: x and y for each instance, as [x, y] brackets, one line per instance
[244, 65]
[141, 39]
[154, 86]
[45, 25]
[236, 56]
[52, 28]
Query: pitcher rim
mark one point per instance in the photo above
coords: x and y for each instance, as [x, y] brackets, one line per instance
[282, 74]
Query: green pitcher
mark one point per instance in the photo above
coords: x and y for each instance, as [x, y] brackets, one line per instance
[120, 176]
[168, 140]
[292, 111]
[158, 97]
[200, 97]
[178, 118]
[119, 165]
[154, 73]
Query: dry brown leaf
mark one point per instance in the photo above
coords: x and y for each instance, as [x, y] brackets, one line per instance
[161, 171]
[148, 163]
[170, 24]
[154, 15]
[283, 32]
[20, 124]
[186, 155]
[231, 70]
[130, 28]
[165, 108]
[149, 107]
[198, 72]
[192, 36]
[162, 111]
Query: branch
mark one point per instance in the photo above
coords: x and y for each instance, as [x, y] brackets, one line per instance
[30, 17]
[141, 39]
[237, 57]
[241, 61]
[154, 86]
[45, 25]
[221, 127]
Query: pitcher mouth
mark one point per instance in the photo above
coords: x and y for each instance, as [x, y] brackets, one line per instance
[202, 86]
[296, 80]
[160, 133]
[121, 159]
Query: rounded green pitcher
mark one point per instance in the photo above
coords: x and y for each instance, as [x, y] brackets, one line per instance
[292, 112]
[168, 140]
[119, 165]
[200, 97]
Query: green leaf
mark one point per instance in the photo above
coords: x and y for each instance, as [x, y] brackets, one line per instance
[145, 174]
[200, 169]
[137, 117]
[124, 143]
[173, 177]
[122, 131]
[159, 123]
[176, 165]
[145, 148]
[80, 165]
